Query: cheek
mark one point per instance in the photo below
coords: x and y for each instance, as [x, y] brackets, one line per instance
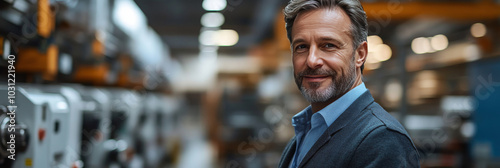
[334, 63]
[298, 62]
[339, 64]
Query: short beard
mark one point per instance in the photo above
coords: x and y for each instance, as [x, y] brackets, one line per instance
[336, 89]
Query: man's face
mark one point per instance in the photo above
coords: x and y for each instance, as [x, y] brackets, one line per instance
[323, 54]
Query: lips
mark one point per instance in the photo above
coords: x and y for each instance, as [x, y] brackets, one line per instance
[315, 78]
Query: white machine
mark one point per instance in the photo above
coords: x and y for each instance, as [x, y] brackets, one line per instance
[43, 137]
[96, 125]
[125, 114]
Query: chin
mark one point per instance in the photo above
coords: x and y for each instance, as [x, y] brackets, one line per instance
[318, 95]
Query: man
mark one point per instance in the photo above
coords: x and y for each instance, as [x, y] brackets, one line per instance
[343, 126]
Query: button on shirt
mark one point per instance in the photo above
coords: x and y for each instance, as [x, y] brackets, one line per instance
[309, 127]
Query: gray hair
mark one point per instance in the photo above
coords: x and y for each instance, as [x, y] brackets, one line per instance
[353, 9]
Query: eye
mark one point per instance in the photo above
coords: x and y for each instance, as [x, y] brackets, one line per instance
[329, 45]
[300, 48]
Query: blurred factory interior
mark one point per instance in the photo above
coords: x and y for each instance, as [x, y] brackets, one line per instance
[209, 83]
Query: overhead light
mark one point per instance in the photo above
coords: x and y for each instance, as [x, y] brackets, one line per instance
[382, 52]
[377, 50]
[427, 79]
[128, 16]
[207, 37]
[478, 30]
[372, 66]
[370, 58]
[393, 91]
[212, 19]
[421, 45]
[439, 42]
[428, 83]
[219, 37]
[373, 41]
[371, 62]
[214, 5]
[472, 52]
[227, 37]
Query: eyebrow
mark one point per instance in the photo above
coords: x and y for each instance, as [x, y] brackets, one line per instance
[330, 39]
[300, 40]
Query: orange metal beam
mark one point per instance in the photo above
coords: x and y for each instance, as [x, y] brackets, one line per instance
[465, 11]
[45, 18]
[32, 60]
[95, 74]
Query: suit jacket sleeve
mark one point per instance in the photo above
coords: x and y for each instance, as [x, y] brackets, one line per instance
[384, 147]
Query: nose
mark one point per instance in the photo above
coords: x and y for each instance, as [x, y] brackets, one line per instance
[314, 61]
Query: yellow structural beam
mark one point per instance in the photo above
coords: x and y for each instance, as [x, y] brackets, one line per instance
[45, 18]
[32, 60]
[94, 74]
[464, 11]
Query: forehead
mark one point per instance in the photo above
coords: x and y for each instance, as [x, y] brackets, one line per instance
[323, 20]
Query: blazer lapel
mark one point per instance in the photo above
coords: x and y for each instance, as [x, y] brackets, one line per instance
[349, 114]
[288, 153]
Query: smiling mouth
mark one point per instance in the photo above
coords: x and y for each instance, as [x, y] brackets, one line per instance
[315, 78]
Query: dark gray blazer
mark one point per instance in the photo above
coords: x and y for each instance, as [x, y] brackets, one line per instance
[365, 135]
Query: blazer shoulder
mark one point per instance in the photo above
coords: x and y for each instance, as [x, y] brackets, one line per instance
[385, 148]
[386, 119]
[384, 142]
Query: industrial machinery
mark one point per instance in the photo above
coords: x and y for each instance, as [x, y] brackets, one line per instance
[125, 111]
[150, 129]
[95, 125]
[74, 122]
[43, 134]
[77, 68]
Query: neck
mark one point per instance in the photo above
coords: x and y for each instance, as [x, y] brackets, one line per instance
[317, 106]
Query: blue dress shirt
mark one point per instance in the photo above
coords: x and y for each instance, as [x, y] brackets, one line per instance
[309, 127]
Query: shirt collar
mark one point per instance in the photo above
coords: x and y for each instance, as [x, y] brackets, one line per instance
[331, 112]
[304, 119]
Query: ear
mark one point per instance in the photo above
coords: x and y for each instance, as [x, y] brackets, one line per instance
[361, 54]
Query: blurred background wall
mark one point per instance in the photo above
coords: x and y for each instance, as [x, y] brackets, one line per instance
[209, 83]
